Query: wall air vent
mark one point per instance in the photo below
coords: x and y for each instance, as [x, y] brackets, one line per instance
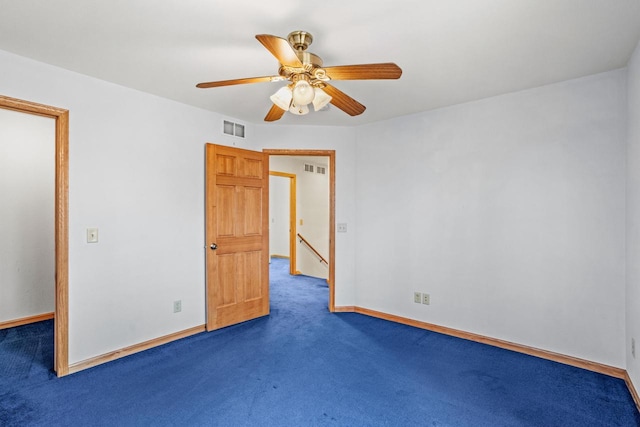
[233, 129]
[311, 168]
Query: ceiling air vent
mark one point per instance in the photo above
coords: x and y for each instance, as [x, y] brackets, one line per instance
[233, 129]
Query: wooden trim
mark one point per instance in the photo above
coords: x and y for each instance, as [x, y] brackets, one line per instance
[293, 223]
[332, 209]
[282, 174]
[30, 107]
[296, 152]
[543, 354]
[344, 309]
[632, 390]
[208, 225]
[292, 217]
[332, 231]
[26, 320]
[61, 325]
[136, 348]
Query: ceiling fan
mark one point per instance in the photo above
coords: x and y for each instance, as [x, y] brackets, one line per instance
[309, 80]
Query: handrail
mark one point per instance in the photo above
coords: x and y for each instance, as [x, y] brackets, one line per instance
[302, 239]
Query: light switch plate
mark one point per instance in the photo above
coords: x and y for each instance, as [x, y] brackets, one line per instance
[92, 235]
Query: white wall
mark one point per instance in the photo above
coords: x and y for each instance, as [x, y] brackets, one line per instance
[509, 211]
[633, 217]
[341, 140]
[279, 215]
[137, 173]
[27, 186]
[312, 211]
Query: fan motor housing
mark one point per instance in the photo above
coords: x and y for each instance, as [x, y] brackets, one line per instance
[300, 40]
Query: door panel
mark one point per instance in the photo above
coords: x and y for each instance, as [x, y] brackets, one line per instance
[253, 202]
[226, 280]
[252, 284]
[225, 202]
[237, 214]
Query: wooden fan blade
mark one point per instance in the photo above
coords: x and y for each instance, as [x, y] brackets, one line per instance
[274, 114]
[238, 81]
[387, 70]
[344, 101]
[281, 49]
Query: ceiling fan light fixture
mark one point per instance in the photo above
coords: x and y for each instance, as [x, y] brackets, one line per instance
[307, 79]
[321, 99]
[282, 98]
[302, 93]
[299, 110]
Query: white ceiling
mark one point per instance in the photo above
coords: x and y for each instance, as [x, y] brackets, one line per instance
[451, 51]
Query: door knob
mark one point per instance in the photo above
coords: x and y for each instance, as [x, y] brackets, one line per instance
[213, 246]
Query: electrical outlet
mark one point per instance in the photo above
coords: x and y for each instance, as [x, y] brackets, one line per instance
[633, 347]
[417, 297]
[177, 306]
[425, 299]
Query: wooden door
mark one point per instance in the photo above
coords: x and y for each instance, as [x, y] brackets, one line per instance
[237, 195]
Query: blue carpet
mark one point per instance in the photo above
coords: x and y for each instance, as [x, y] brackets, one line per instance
[26, 356]
[303, 366]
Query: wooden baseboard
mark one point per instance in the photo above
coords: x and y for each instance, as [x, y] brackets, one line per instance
[26, 320]
[98, 360]
[632, 390]
[345, 309]
[544, 354]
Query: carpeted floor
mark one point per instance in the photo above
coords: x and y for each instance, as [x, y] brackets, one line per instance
[26, 356]
[303, 366]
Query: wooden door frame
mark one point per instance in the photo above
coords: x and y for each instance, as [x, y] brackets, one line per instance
[61, 314]
[292, 217]
[332, 208]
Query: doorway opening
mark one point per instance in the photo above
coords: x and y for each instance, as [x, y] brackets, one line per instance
[330, 155]
[282, 205]
[61, 236]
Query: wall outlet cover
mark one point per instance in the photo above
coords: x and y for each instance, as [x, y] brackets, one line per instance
[426, 299]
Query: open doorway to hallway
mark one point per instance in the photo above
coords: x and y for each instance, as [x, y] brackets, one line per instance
[304, 231]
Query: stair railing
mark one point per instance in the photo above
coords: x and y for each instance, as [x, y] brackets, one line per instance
[310, 246]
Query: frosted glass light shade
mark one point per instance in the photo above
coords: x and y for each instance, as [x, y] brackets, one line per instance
[321, 99]
[299, 110]
[282, 98]
[302, 93]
